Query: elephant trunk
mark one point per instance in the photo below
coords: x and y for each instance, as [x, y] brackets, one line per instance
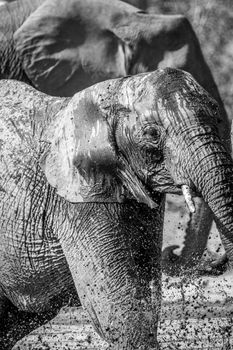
[211, 172]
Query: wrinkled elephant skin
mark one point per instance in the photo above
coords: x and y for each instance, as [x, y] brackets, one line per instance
[61, 48]
[82, 191]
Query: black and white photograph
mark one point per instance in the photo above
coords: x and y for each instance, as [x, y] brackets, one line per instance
[116, 175]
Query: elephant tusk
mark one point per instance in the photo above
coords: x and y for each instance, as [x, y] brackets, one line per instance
[188, 198]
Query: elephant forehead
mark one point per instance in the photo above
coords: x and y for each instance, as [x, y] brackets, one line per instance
[167, 97]
[138, 95]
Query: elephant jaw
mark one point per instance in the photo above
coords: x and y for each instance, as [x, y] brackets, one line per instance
[140, 193]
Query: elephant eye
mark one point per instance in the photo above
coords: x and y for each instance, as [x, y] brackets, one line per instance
[151, 133]
[151, 142]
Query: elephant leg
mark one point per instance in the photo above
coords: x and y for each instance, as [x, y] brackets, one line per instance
[114, 252]
[15, 324]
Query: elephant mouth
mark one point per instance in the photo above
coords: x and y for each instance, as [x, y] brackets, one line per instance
[150, 193]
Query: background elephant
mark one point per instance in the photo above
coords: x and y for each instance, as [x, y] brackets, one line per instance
[82, 190]
[61, 48]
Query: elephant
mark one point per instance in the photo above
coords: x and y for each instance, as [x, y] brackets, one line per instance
[40, 46]
[83, 182]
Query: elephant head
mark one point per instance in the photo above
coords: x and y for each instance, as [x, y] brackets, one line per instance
[137, 138]
[140, 136]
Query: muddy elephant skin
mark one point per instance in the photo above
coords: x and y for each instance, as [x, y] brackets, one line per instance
[62, 48]
[83, 181]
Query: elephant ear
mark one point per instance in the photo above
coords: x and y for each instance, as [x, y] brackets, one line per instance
[80, 162]
[68, 46]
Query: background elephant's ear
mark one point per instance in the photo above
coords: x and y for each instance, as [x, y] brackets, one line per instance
[80, 162]
[68, 46]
